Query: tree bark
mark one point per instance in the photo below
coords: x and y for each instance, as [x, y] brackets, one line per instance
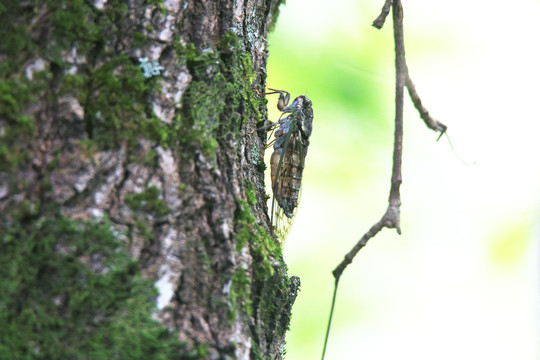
[120, 175]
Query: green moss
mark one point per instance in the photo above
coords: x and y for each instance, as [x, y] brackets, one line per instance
[139, 39]
[249, 94]
[250, 194]
[239, 294]
[265, 247]
[70, 292]
[148, 201]
[203, 103]
[269, 294]
[261, 244]
[154, 2]
[262, 247]
[115, 102]
[72, 83]
[16, 41]
[200, 351]
[204, 258]
[71, 22]
[248, 73]
[244, 225]
[113, 94]
[257, 159]
[68, 23]
[16, 139]
[242, 237]
[157, 130]
[26, 209]
[158, 4]
[274, 300]
[219, 91]
[242, 215]
[151, 158]
[143, 229]
[88, 147]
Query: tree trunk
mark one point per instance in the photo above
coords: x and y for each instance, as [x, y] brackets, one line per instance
[120, 175]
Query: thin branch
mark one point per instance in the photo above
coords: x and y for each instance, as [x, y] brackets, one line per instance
[430, 122]
[359, 245]
[391, 218]
[379, 21]
[332, 306]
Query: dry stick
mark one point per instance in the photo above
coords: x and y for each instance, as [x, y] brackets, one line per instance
[430, 122]
[391, 217]
[424, 114]
[379, 21]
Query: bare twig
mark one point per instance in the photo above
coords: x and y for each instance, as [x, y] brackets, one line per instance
[424, 114]
[430, 122]
[379, 21]
[391, 218]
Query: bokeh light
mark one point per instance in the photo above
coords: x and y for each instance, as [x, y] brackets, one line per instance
[462, 281]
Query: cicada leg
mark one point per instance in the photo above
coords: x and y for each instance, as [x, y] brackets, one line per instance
[271, 143]
[265, 127]
[284, 97]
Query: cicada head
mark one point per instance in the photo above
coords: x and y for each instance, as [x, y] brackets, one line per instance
[305, 123]
[302, 111]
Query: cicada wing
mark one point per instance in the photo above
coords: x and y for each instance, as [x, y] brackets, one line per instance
[287, 168]
[278, 164]
[282, 224]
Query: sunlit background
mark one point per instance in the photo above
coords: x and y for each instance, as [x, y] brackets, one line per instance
[462, 281]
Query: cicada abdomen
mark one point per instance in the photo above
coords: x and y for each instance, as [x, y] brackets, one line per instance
[287, 161]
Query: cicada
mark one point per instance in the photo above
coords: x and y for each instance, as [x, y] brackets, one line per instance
[291, 141]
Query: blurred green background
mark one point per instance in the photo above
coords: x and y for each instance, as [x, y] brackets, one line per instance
[462, 281]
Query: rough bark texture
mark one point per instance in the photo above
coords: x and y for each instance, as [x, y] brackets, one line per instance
[113, 184]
